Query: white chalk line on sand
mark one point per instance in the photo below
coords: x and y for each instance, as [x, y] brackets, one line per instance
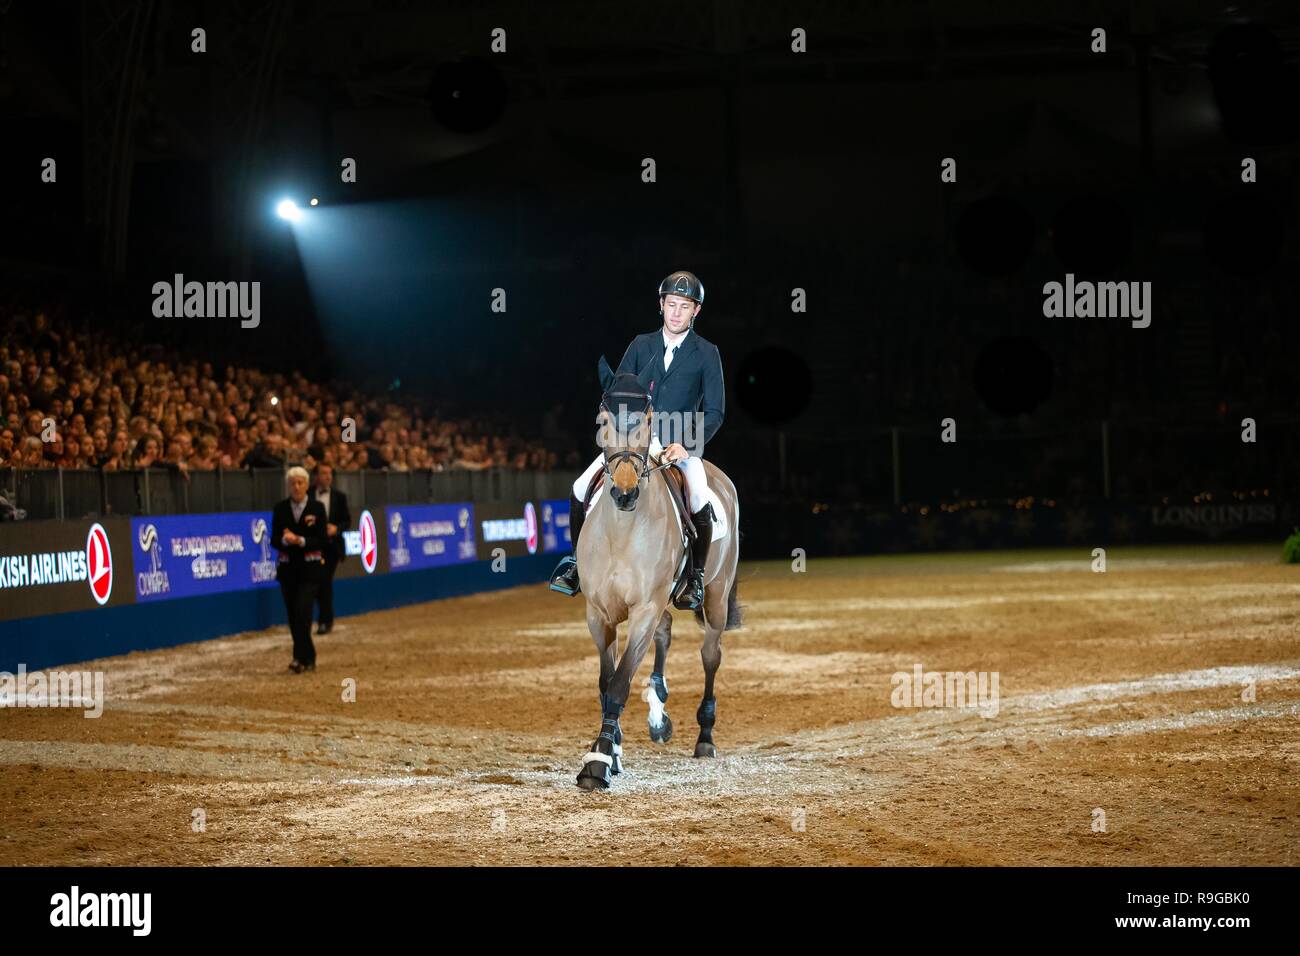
[1027, 716]
[1156, 684]
[1197, 718]
[1034, 716]
[1100, 593]
[1043, 714]
[1115, 564]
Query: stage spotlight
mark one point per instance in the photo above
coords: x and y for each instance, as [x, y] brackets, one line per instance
[288, 209]
[314, 200]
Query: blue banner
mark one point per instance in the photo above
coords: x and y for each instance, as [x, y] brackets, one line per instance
[430, 536]
[186, 555]
[555, 525]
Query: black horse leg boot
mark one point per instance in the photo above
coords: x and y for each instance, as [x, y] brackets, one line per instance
[565, 576]
[693, 596]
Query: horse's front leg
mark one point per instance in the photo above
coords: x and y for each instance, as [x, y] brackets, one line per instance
[605, 757]
[598, 764]
[606, 675]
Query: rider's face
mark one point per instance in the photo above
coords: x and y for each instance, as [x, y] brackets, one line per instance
[678, 312]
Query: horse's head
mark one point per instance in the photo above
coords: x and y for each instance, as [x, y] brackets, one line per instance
[624, 434]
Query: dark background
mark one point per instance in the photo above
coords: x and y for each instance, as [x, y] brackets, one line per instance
[775, 170]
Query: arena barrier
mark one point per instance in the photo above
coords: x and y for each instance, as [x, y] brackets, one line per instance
[80, 590]
[841, 530]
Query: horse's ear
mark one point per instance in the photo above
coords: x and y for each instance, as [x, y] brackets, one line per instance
[605, 373]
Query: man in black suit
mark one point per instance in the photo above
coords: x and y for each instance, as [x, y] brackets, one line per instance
[298, 532]
[682, 372]
[339, 520]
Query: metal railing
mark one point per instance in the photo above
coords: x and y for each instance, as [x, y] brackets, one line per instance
[55, 493]
[1104, 461]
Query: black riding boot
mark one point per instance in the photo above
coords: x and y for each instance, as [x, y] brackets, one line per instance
[565, 576]
[693, 594]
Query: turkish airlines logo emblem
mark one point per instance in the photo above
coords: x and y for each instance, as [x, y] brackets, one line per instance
[99, 564]
[369, 542]
[530, 525]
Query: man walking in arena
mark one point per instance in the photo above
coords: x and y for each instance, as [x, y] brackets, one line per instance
[298, 533]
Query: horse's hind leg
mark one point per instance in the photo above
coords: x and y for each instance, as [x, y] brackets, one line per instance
[656, 695]
[715, 607]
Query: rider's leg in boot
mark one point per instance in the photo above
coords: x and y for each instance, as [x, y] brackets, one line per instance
[565, 576]
[693, 596]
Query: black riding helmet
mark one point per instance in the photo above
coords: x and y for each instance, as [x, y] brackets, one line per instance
[684, 284]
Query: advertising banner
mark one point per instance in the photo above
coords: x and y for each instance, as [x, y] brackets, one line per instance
[179, 556]
[513, 528]
[429, 536]
[52, 567]
[49, 567]
[363, 550]
[555, 525]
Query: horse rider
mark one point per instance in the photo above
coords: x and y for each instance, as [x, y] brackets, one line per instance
[682, 373]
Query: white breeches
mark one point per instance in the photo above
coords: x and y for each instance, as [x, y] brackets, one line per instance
[696, 480]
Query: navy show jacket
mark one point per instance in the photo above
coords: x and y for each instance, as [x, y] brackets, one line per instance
[692, 383]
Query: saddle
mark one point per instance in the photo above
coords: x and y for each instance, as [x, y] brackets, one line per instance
[681, 494]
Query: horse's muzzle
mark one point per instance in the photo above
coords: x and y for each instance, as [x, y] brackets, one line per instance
[625, 500]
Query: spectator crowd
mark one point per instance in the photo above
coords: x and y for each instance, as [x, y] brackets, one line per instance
[77, 398]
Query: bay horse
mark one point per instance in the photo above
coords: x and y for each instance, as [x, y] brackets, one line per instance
[629, 552]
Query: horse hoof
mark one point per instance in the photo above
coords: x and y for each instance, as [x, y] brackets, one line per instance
[664, 732]
[593, 776]
[617, 765]
[703, 749]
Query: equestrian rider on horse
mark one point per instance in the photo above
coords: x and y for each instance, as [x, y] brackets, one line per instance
[682, 372]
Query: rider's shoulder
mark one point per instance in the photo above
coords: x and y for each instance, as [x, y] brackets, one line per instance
[703, 342]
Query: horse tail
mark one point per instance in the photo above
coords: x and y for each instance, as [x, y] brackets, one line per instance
[735, 611]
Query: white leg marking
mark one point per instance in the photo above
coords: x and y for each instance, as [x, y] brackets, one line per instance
[656, 717]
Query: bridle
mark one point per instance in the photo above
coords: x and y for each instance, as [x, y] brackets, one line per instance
[642, 464]
[640, 460]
